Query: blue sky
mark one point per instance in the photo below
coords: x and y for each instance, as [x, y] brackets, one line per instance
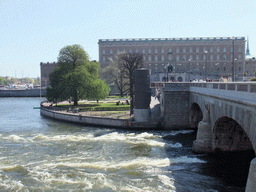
[33, 31]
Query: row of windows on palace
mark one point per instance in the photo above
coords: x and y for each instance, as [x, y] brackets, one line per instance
[218, 57]
[184, 50]
[196, 68]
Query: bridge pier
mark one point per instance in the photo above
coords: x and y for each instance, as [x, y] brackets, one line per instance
[203, 142]
[251, 181]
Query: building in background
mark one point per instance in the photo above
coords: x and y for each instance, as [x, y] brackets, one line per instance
[46, 69]
[187, 58]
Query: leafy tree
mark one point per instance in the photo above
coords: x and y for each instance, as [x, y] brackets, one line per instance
[37, 81]
[13, 80]
[75, 77]
[27, 80]
[114, 73]
[130, 62]
[3, 81]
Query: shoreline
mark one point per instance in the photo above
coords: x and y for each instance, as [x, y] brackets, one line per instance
[95, 121]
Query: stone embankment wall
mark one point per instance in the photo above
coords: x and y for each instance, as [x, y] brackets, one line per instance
[23, 93]
[87, 120]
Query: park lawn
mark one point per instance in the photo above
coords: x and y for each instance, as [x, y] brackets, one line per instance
[97, 107]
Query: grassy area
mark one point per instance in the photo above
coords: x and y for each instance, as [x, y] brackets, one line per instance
[97, 106]
[118, 97]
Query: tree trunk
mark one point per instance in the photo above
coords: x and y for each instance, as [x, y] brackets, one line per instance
[131, 95]
[121, 91]
[75, 98]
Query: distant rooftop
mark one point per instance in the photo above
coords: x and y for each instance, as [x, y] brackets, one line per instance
[170, 39]
[42, 63]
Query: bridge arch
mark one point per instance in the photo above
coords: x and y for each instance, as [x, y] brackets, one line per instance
[228, 135]
[233, 149]
[196, 115]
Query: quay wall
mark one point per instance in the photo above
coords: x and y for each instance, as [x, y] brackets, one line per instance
[23, 93]
[86, 120]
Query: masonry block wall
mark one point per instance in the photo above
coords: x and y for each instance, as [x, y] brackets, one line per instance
[177, 109]
[46, 69]
[176, 105]
[23, 93]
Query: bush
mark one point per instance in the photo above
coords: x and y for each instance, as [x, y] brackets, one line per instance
[106, 109]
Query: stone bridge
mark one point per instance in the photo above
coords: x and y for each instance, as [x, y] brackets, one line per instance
[224, 113]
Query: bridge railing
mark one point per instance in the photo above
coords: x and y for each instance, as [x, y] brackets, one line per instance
[231, 86]
[157, 85]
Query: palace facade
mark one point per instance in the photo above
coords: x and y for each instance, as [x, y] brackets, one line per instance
[189, 58]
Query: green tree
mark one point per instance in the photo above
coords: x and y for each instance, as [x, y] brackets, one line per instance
[76, 77]
[37, 81]
[3, 81]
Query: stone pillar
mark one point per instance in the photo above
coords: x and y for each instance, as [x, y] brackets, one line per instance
[251, 181]
[203, 142]
[142, 95]
[141, 115]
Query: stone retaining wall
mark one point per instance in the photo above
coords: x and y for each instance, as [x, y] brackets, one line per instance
[23, 93]
[86, 120]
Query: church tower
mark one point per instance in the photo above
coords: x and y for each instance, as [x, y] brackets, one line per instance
[247, 49]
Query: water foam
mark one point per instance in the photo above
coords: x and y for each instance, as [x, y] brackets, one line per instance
[131, 138]
[167, 181]
[16, 168]
[175, 145]
[186, 159]
[139, 162]
[174, 133]
[17, 138]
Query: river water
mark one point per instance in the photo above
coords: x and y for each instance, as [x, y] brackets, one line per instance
[40, 154]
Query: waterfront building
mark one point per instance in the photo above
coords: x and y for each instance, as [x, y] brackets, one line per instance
[189, 58]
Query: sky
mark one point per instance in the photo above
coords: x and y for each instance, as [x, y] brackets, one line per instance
[34, 31]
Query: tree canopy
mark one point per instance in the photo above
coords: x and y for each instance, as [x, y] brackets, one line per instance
[75, 77]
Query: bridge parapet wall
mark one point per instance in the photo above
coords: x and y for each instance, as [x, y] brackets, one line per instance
[240, 92]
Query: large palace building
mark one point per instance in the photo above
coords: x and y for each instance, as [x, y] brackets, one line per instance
[190, 58]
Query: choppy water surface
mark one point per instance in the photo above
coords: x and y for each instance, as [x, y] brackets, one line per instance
[40, 154]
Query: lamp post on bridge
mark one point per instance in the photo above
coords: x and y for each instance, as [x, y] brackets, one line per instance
[233, 62]
[205, 63]
[235, 69]
[168, 66]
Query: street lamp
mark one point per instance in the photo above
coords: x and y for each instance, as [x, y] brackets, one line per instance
[205, 64]
[234, 69]
[189, 71]
[168, 66]
[233, 63]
